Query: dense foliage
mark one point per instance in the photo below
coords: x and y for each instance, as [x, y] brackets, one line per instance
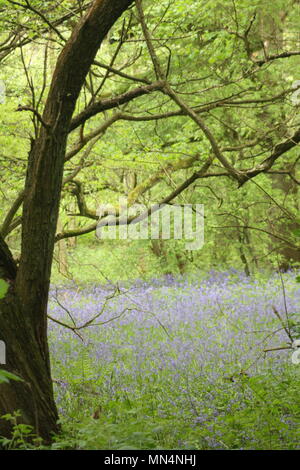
[212, 57]
[194, 102]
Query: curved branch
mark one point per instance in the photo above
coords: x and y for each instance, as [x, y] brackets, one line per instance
[105, 105]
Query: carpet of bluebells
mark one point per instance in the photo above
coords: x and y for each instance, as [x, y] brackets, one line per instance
[177, 363]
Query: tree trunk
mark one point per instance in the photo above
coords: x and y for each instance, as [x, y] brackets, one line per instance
[62, 253]
[33, 397]
[72, 241]
[23, 313]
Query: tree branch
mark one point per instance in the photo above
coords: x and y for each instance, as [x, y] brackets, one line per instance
[105, 105]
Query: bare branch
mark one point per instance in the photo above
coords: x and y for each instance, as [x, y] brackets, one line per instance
[105, 105]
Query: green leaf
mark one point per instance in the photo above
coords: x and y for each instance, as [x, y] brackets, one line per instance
[3, 288]
[296, 232]
[5, 377]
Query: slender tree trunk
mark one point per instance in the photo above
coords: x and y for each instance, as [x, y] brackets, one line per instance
[62, 253]
[23, 312]
[241, 239]
[72, 241]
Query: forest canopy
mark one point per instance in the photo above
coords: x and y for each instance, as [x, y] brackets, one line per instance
[106, 104]
[232, 67]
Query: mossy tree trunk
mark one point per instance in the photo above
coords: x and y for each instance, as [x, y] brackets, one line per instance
[23, 312]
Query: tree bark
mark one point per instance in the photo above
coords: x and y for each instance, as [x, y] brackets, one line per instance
[23, 313]
[62, 252]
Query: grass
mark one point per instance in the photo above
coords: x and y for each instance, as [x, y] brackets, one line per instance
[182, 365]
